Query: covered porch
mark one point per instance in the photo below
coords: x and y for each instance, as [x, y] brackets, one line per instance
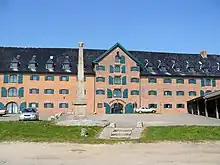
[208, 105]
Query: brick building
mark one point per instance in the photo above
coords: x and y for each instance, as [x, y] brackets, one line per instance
[116, 80]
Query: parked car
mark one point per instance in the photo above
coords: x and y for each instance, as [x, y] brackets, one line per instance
[3, 112]
[29, 114]
[145, 110]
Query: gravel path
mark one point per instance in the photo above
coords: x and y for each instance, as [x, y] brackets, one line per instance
[118, 154]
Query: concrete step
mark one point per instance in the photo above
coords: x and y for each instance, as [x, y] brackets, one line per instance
[118, 133]
[122, 129]
[120, 136]
[121, 133]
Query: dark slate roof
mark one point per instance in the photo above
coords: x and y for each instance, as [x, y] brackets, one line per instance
[168, 60]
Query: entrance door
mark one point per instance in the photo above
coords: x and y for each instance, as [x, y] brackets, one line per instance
[129, 108]
[12, 107]
[117, 108]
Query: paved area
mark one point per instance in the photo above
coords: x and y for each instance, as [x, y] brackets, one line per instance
[130, 120]
[118, 154]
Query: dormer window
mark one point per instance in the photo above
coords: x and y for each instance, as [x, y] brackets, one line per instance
[33, 64]
[190, 68]
[66, 64]
[15, 63]
[175, 67]
[50, 64]
[161, 66]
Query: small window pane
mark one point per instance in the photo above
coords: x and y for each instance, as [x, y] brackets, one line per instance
[167, 81]
[152, 80]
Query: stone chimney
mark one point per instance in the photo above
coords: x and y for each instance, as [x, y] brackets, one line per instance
[203, 53]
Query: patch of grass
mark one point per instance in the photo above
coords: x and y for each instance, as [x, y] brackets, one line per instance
[180, 133]
[45, 132]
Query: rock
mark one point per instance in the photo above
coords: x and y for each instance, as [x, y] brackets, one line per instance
[140, 124]
[84, 132]
[112, 125]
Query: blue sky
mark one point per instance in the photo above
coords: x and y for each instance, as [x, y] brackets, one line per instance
[152, 25]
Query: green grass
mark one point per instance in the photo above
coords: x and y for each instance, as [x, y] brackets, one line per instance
[43, 131]
[180, 133]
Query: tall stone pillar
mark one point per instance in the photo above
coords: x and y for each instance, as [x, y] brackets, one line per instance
[80, 102]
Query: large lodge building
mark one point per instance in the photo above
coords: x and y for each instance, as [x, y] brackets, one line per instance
[116, 80]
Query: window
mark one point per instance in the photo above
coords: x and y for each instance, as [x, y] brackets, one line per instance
[34, 77]
[179, 93]
[63, 105]
[48, 105]
[34, 91]
[100, 92]
[134, 68]
[100, 67]
[117, 68]
[64, 78]
[135, 79]
[192, 81]
[12, 92]
[117, 58]
[14, 65]
[13, 78]
[33, 105]
[192, 93]
[167, 93]
[66, 67]
[135, 92]
[214, 83]
[167, 105]
[152, 105]
[117, 93]
[49, 91]
[202, 93]
[64, 91]
[50, 67]
[49, 78]
[123, 69]
[100, 79]
[208, 82]
[180, 81]
[152, 80]
[152, 92]
[99, 105]
[117, 80]
[180, 105]
[32, 66]
[167, 81]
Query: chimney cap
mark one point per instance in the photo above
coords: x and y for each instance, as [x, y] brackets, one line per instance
[203, 53]
[80, 44]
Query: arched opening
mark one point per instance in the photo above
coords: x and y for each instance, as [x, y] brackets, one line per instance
[12, 92]
[117, 108]
[12, 107]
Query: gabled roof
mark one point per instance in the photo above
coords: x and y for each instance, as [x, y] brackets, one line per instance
[111, 49]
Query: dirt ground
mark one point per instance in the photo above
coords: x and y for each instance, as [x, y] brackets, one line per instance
[118, 154]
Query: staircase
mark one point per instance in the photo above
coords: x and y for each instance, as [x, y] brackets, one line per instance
[121, 133]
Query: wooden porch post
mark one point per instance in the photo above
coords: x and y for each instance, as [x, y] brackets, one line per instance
[216, 108]
[198, 107]
[206, 112]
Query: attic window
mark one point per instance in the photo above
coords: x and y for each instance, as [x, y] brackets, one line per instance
[117, 58]
[191, 69]
[66, 67]
[66, 64]
[161, 66]
[150, 69]
[15, 63]
[174, 67]
[32, 64]
[50, 64]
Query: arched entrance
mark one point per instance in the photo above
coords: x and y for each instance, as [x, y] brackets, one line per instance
[117, 108]
[12, 107]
